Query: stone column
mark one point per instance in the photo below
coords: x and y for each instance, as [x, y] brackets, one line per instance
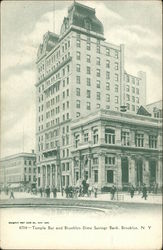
[41, 176]
[73, 171]
[57, 176]
[102, 134]
[146, 140]
[101, 170]
[89, 167]
[81, 167]
[118, 136]
[46, 176]
[132, 139]
[159, 143]
[159, 177]
[50, 175]
[118, 177]
[146, 172]
[132, 172]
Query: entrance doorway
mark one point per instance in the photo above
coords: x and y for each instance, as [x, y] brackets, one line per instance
[152, 171]
[125, 172]
[139, 168]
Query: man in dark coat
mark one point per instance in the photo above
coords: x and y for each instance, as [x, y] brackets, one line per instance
[54, 191]
[144, 191]
[113, 190]
[67, 191]
[12, 194]
[132, 190]
[40, 190]
[47, 190]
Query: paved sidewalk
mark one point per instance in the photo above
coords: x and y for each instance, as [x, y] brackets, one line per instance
[120, 197]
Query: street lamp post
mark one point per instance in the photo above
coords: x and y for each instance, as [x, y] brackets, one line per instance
[80, 159]
[117, 182]
[60, 167]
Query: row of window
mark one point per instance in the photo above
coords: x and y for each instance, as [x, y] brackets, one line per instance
[98, 60]
[110, 138]
[98, 82]
[29, 162]
[133, 90]
[55, 66]
[29, 178]
[57, 120]
[51, 123]
[98, 72]
[98, 47]
[98, 97]
[132, 79]
[52, 90]
[57, 54]
[52, 102]
[133, 98]
[29, 170]
[51, 134]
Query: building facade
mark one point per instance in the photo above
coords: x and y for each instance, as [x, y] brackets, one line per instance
[78, 73]
[110, 147]
[18, 170]
[155, 109]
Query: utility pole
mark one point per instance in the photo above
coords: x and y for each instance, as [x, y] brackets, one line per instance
[59, 160]
[60, 167]
[80, 159]
[53, 16]
[23, 139]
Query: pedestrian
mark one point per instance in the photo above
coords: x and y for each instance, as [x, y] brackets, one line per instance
[80, 191]
[47, 191]
[67, 191]
[54, 191]
[144, 192]
[12, 194]
[71, 192]
[89, 191]
[113, 190]
[95, 192]
[40, 190]
[132, 190]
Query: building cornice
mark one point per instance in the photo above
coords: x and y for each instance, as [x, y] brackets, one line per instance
[10, 157]
[117, 117]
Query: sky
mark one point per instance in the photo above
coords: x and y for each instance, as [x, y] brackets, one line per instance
[136, 24]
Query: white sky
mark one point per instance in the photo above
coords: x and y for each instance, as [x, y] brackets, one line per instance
[136, 24]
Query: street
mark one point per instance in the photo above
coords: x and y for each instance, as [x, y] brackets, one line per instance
[86, 221]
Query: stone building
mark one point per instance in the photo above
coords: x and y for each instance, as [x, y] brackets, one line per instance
[78, 72]
[18, 170]
[110, 147]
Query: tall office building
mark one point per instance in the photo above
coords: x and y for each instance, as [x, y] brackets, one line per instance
[78, 73]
